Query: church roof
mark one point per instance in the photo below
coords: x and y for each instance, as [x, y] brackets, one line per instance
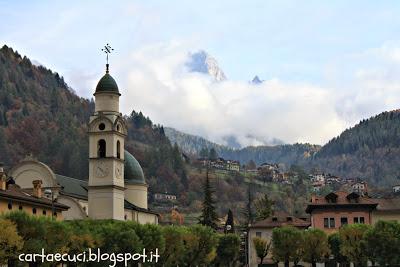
[133, 172]
[73, 187]
[107, 84]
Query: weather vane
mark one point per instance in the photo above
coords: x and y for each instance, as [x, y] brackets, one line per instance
[107, 49]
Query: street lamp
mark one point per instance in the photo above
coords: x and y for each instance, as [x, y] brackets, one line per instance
[49, 192]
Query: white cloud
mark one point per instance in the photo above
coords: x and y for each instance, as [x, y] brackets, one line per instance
[158, 84]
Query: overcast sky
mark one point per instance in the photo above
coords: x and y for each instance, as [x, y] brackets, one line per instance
[326, 64]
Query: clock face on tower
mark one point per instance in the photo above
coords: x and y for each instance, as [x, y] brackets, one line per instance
[101, 169]
[118, 170]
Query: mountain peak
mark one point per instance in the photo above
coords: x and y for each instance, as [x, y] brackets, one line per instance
[256, 80]
[202, 62]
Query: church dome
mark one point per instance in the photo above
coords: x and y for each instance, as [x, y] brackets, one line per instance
[107, 84]
[133, 172]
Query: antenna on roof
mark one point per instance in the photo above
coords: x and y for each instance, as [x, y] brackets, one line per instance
[107, 49]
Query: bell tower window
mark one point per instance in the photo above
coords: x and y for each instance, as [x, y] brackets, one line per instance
[118, 149]
[101, 148]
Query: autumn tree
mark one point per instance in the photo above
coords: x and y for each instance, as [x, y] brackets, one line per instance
[352, 236]
[175, 249]
[262, 248]
[263, 207]
[200, 246]
[227, 250]
[315, 246]
[382, 243]
[10, 241]
[287, 244]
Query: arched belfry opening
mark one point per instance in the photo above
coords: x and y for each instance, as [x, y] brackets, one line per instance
[101, 148]
[118, 149]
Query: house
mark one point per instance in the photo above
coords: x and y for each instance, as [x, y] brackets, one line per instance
[396, 189]
[232, 165]
[263, 229]
[388, 209]
[35, 203]
[360, 188]
[164, 197]
[330, 212]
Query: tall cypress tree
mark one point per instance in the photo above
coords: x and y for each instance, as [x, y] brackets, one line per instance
[208, 216]
[230, 222]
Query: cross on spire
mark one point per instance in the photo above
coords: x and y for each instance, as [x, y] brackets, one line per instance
[107, 49]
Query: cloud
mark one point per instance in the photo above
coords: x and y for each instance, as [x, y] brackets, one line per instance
[158, 84]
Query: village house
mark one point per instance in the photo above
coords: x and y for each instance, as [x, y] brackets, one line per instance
[396, 189]
[360, 188]
[330, 212]
[263, 229]
[164, 197]
[336, 209]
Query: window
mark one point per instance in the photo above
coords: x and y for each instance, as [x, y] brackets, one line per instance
[102, 126]
[258, 234]
[34, 210]
[329, 222]
[101, 148]
[118, 149]
[20, 207]
[118, 127]
[343, 221]
[125, 217]
[9, 205]
[359, 220]
[44, 212]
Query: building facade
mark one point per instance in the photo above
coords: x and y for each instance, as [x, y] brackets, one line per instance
[33, 202]
[263, 229]
[336, 209]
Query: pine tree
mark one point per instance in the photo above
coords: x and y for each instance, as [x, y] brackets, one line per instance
[248, 210]
[208, 216]
[213, 154]
[230, 222]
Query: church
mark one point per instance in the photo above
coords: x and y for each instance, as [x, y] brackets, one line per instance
[116, 188]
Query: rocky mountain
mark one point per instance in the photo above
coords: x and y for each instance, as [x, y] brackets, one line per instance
[202, 62]
[256, 80]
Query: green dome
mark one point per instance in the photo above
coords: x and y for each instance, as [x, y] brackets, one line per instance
[107, 84]
[133, 172]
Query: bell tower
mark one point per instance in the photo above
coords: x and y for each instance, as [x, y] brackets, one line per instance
[107, 131]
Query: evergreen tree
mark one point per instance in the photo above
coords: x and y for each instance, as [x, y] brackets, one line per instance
[230, 222]
[212, 154]
[204, 152]
[208, 216]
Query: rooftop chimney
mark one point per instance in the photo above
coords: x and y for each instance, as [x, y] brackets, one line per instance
[3, 178]
[37, 188]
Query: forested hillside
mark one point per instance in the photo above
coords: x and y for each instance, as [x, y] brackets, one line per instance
[369, 150]
[42, 116]
[286, 154]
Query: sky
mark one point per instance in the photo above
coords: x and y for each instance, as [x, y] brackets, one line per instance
[325, 64]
